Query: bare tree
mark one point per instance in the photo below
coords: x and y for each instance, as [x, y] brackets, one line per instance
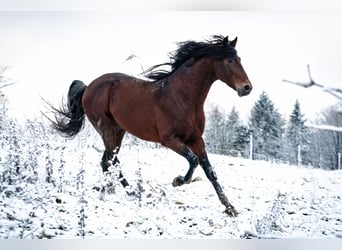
[4, 82]
[329, 135]
[326, 141]
[336, 92]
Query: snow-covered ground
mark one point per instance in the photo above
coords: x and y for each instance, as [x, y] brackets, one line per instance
[274, 201]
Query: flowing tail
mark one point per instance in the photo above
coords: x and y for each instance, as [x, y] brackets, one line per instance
[69, 119]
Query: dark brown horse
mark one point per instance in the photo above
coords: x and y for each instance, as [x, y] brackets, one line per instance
[167, 108]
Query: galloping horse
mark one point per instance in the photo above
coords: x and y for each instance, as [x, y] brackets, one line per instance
[167, 108]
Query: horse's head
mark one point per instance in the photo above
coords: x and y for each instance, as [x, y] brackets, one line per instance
[230, 70]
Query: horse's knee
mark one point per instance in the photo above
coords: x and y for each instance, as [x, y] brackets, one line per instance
[208, 169]
[191, 157]
[211, 173]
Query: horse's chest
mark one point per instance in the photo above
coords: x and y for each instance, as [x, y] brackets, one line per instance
[192, 126]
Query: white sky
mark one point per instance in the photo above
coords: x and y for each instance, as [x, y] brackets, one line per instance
[48, 50]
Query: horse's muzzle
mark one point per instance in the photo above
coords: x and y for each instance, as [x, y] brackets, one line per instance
[245, 89]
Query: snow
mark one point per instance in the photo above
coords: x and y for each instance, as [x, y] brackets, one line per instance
[324, 127]
[273, 200]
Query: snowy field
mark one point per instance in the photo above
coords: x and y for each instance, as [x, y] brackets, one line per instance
[274, 201]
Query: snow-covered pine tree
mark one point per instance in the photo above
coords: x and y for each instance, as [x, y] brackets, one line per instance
[267, 124]
[237, 134]
[226, 135]
[215, 135]
[231, 126]
[297, 135]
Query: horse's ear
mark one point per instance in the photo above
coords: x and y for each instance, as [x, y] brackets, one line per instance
[233, 43]
[225, 40]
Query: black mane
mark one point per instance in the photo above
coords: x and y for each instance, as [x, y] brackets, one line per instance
[218, 47]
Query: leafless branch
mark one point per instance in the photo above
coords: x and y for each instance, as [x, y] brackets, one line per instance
[130, 57]
[4, 81]
[6, 85]
[336, 92]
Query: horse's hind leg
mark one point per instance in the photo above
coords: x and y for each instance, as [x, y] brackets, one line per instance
[112, 139]
[105, 164]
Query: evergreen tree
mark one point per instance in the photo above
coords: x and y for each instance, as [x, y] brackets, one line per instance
[266, 124]
[226, 134]
[237, 134]
[215, 131]
[297, 136]
[241, 142]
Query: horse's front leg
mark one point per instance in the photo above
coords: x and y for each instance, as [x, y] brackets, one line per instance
[179, 147]
[193, 162]
[210, 173]
[199, 149]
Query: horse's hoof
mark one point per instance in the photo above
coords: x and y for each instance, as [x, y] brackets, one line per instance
[178, 181]
[231, 211]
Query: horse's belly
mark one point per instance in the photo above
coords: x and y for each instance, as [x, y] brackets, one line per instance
[143, 133]
[139, 127]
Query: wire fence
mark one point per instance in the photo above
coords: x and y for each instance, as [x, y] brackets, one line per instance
[249, 153]
[296, 159]
[282, 158]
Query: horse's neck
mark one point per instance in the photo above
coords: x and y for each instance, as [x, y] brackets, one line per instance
[195, 81]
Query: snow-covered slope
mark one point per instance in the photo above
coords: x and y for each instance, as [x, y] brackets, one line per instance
[273, 200]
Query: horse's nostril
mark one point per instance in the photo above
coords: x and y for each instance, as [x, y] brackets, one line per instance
[247, 87]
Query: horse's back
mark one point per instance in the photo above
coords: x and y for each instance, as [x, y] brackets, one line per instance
[121, 98]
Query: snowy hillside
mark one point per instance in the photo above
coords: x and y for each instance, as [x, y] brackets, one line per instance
[57, 194]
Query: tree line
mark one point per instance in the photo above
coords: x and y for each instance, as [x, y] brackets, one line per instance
[267, 135]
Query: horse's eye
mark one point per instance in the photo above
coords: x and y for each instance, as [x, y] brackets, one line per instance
[230, 60]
